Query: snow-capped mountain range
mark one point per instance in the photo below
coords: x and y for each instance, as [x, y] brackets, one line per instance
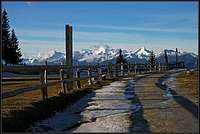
[104, 54]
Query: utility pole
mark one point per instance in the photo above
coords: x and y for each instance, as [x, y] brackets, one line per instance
[176, 57]
[69, 50]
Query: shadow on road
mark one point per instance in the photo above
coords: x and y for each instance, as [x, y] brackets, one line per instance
[139, 123]
[183, 101]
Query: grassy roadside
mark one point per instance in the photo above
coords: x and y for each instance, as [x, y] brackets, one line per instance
[20, 119]
[188, 80]
[26, 99]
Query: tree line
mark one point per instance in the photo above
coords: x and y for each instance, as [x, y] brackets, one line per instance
[11, 53]
[152, 59]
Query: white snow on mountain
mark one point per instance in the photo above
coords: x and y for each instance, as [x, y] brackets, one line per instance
[142, 53]
[97, 54]
[169, 52]
[100, 49]
[103, 53]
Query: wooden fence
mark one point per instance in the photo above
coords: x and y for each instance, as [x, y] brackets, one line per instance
[95, 73]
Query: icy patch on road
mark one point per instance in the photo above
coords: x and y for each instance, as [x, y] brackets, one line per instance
[104, 110]
[169, 90]
[63, 119]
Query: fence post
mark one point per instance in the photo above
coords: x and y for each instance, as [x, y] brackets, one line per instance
[110, 71]
[146, 68]
[121, 69]
[128, 66]
[155, 67]
[99, 73]
[135, 67]
[62, 78]
[159, 69]
[150, 68]
[89, 75]
[78, 82]
[116, 69]
[43, 81]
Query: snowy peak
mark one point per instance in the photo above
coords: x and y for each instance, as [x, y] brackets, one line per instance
[101, 49]
[142, 51]
[188, 53]
[96, 54]
[173, 52]
[52, 53]
[55, 56]
[169, 52]
[103, 53]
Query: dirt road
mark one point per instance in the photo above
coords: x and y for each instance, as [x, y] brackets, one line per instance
[125, 106]
[165, 109]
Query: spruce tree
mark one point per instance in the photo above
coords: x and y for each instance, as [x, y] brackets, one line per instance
[152, 60]
[10, 45]
[15, 50]
[5, 37]
[120, 58]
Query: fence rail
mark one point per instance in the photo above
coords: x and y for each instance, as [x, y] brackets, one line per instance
[94, 74]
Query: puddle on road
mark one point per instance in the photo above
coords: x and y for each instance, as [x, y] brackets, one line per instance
[169, 90]
[110, 101]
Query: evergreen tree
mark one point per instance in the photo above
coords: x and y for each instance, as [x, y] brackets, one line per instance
[152, 60]
[10, 45]
[120, 58]
[15, 50]
[5, 37]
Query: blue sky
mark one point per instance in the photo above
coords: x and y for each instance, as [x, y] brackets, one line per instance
[128, 25]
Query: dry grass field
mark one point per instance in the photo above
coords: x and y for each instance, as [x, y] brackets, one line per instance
[23, 100]
[189, 80]
[187, 84]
